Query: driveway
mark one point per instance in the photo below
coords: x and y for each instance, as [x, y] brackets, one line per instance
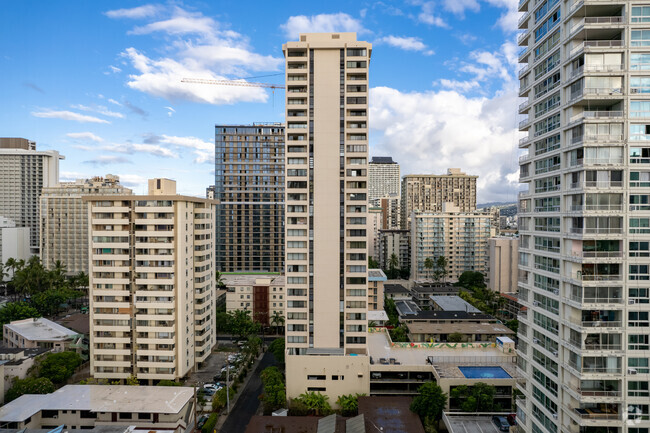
[248, 401]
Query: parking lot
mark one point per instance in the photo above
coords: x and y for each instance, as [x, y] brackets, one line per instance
[211, 367]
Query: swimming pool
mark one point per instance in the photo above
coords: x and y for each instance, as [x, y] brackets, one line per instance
[484, 372]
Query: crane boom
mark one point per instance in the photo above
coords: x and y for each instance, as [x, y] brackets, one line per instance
[231, 83]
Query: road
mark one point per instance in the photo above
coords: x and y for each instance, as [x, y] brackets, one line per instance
[248, 401]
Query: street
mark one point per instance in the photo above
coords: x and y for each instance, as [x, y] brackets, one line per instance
[248, 402]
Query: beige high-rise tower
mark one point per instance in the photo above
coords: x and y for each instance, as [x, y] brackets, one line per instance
[326, 207]
[152, 283]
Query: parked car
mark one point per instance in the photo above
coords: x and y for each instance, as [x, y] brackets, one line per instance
[501, 423]
[202, 421]
[207, 391]
[512, 419]
[212, 386]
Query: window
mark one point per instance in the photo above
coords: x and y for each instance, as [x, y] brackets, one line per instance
[547, 26]
[640, 61]
[638, 319]
[357, 52]
[640, 14]
[640, 38]
[639, 84]
[316, 377]
[639, 272]
[638, 342]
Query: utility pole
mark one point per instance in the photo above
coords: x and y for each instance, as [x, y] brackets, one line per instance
[228, 384]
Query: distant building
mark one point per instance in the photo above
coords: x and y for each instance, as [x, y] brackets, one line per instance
[504, 258]
[461, 237]
[383, 179]
[38, 333]
[15, 363]
[395, 242]
[24, 172]
[376, 280]
[249, 188]
[262, 295]
[16, 242]
[390, 212]
[147, 408]
[152, 283]
[428, 193]
[374, 224]
[64, 220]
[451, 303]
[397, 292]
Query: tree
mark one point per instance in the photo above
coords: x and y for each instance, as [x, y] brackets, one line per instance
[222, 322]
[274, 396]
[476, 398]
[29, 385]
[513, 325]
[16, 311]
[398, 334]
[441, 265]
[241, 323]
[430, 402]
[455, 337]
[58, 367]
[167, 382]
[372, 263]
[219, 280]
[315, 403]
[393, 262]
[277, 349]
[391, 311]
[349, 404]
[278, 320]
[253, 345]
[132, 381]
[428, 265]
[470, 279]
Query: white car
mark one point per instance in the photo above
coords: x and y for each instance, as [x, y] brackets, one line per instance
[212, 386]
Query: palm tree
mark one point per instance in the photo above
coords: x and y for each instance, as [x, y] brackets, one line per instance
[218, 279]
[441, 264]
[428, 265]
[278, 320]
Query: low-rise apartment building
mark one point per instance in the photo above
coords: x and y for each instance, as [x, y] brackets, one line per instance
[38, 333]
[152, 283]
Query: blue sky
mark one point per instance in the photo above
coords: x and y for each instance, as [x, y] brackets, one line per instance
[100, 82]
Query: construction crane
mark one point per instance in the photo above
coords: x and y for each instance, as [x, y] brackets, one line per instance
[232, 83]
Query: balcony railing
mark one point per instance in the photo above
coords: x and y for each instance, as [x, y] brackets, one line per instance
[597, 300]
[597, 254]
[596, 20]
[598, 393]
[597, 184]
[596, 207]
[590, 277]
[596, 230]
[596, 44]
[524, 70]
[588, 414]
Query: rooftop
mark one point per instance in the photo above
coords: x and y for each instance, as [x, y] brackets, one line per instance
[406, 308]
[470, 423]
[40, 330]
[382, 160]
[376, 275]
[395, 289]
[462, 327]
[245, 279]
[389, 415]
[377, 315]
[449, 315]
[100, 398]
[424, 288]
[453, 303]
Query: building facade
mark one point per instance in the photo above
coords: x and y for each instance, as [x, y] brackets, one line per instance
[14, 243]
[383, 178]
[327, 207]
[390, 212]
[460, 237]
[395, 242]
[249, 189]
[583, 340]
[504, 256]
[428, 192]
[24, 172]
[262, 295]
[375, 216]
[64, 220]
[152, 283]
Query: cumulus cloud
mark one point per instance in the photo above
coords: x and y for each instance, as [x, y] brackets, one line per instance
[85, 136]
[203, 150]
[199, 47]
[132, 180]
[152, 149]
[100, 109]
[427, 15]
[339, 22]
[71, 176]
[108, 159]
[68, 115]
[144, 11]
[459, 7]
[405, 43]
[508, 19]
[461, 86]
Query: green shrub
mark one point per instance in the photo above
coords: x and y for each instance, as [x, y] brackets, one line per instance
[208, 427]
[29, 385]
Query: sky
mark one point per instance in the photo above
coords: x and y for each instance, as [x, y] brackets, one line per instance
[100, 82]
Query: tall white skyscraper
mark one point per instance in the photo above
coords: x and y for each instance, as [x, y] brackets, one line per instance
[584, 344]
[24, 172]
[383, 179]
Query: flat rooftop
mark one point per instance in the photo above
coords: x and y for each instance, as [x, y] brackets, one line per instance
[453, 303]
[379, 347]
[377, 315]
[100, 398]
[376, 275]
[460, 327]
[249, 279]
[470, 423]
[41, 330]
[431, 315]
[396, 289]
[389, 415]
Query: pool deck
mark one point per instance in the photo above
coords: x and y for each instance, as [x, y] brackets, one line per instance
[452, 371]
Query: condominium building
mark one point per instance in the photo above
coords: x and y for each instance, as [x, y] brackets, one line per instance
[14, 243]
[462, 238]
[375, 216]
[326, 212]
[262, 295]
[583, 342]
[503, 255]
[152, 283]
[395, 242]
[390, 212]
[383, 178]
[64, 220]
[249, 188]
[428, 192]
[24, 172]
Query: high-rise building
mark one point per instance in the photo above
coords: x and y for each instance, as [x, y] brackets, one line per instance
[503, 255]
[397, 242]
[64, 220]
[383, 178]
[428, 193]
[461, 237]
[583, 266]
[24, 172]
[14, 243]
[249, 189]
[374, 225]
[326, 212]
[152, 283]
[390, 212]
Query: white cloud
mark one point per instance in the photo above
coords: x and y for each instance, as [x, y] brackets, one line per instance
[459, 7]
[86, 136]
[108, 159]
[339, 22]
[508, 19]
[170, 111]
[133, 181]
[427, 15]
[71, 176]
[100, 109]
[68, 115]
[406, 43]
[114, 69]
[432, 131]
[461, 86]
[203, 150]
[134, 13]
[199, 47]
[152, 149]
[114, 102]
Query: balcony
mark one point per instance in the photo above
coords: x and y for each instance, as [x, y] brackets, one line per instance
[596, 45]
[524, 123]
[596, 230]
[596, 139]
[596, 22]
[596, 413]
[596, 68]
[523, 71]
[523, 141]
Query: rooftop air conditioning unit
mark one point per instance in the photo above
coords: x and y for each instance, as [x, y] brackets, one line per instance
[631, 301]
[631, 371]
